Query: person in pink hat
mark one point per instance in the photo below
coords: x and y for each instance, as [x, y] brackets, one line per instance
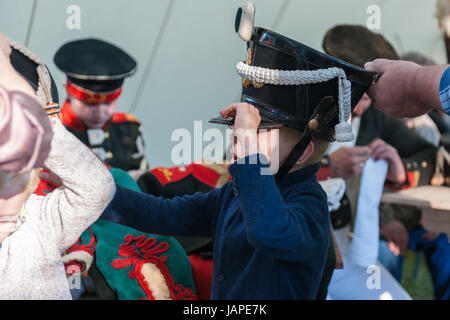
[35, 230]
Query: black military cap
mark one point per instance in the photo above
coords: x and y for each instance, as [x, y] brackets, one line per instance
[35, 72]
[357, 45]
[286, 80]
[296, 86]
[95, 65]
[27, 64]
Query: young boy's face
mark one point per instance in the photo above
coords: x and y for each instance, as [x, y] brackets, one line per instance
[276, 144]
[267, 140]
[94, 116]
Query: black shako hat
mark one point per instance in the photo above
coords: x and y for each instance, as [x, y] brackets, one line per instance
[36, 73]
[296, 86]
[94, 65]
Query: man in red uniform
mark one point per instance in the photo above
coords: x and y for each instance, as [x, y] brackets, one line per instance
[95, 74]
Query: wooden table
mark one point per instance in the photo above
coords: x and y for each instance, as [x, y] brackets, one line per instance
[434, 201]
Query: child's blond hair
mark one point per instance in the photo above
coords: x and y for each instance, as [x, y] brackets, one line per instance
[320, 146]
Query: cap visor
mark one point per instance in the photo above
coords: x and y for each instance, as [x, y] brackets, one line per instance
[264, 124]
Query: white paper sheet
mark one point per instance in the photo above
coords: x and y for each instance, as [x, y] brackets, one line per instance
[364, 246]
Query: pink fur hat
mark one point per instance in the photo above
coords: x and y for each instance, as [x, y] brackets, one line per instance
[25, 132]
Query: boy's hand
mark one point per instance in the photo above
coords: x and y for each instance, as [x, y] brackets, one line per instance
[245, 116]
[246, 122]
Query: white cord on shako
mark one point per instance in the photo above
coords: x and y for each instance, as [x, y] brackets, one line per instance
[343, 129]
[45, 84]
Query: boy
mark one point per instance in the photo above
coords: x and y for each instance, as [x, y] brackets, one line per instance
[270, 235]
[96, 71]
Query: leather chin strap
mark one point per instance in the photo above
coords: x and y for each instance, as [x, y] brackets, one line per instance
[296, 152]
[322, 116]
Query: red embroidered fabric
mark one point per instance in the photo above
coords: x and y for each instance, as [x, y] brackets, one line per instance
[139, 250]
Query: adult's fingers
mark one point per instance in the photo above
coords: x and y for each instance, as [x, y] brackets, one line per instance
[394, 248]
[378, 65]
[361, 151]
[375, 142]
[378, 151]
[387, 155]
[376, 147]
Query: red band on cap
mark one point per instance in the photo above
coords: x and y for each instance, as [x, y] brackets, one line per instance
[90, 96]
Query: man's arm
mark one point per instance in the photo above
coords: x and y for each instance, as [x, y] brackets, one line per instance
[405, 89]
[190, 215]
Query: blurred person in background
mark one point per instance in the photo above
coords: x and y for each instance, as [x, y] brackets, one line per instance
[95, 74]
[410, 162]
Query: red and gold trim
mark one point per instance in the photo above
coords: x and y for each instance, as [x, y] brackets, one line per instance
[70, 119]
[91, 96]
[200, 172]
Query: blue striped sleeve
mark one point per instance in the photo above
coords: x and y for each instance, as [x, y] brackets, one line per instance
[444, 91]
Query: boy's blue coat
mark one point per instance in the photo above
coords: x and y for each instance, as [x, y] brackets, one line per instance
[270, 237]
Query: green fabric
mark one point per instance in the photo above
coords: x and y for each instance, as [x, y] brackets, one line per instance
[122, 178]
[118, 278]
[110, 236]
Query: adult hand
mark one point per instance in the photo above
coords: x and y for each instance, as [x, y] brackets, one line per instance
[379, 149]
[396, 235]
[347, 162]
[405, 89]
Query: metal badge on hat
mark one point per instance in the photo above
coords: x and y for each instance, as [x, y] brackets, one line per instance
[247, 82]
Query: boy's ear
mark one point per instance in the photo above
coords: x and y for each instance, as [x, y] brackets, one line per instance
[306, 154]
